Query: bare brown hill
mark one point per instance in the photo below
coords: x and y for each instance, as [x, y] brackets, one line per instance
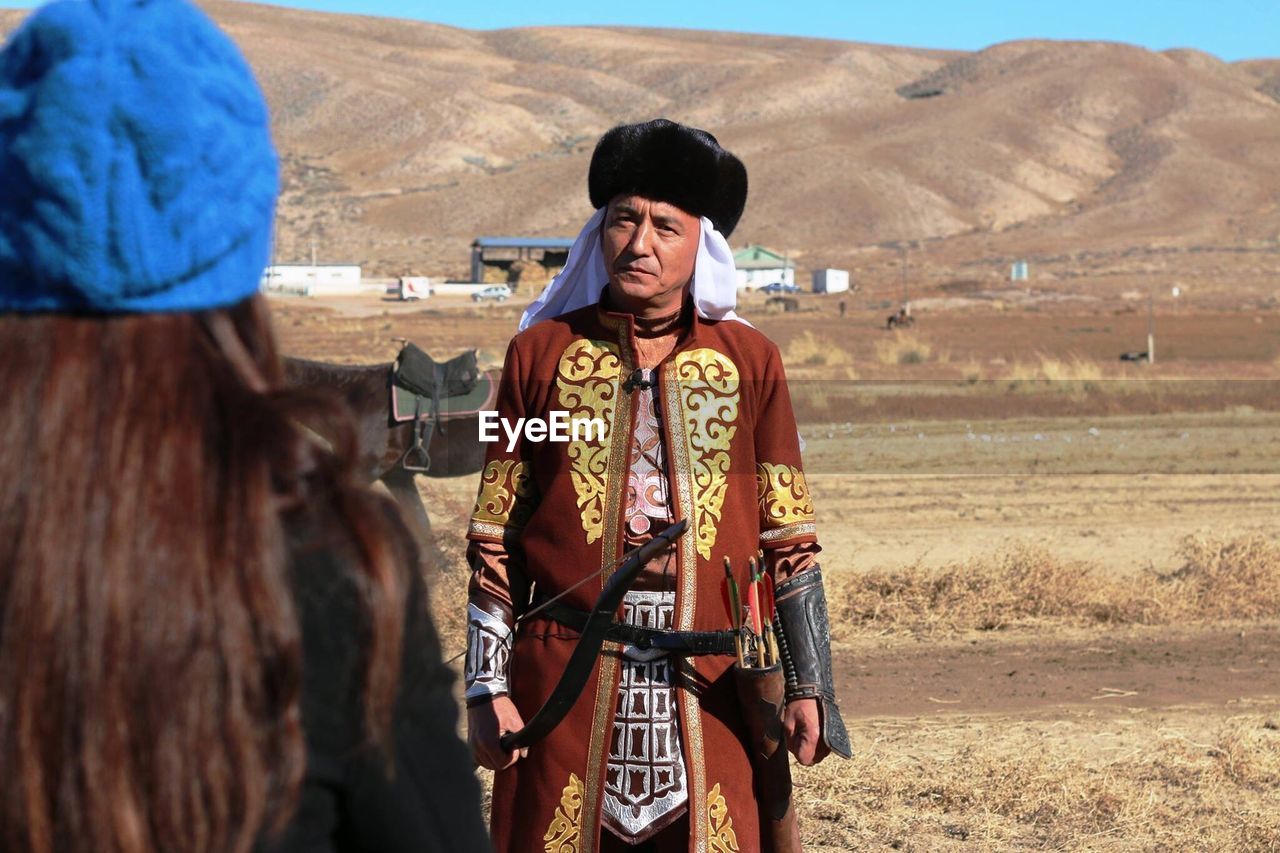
[402, 141]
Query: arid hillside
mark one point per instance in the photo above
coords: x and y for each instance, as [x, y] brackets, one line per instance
[1099, 161]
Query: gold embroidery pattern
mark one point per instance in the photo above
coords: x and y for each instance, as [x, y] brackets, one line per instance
[601, 725]
[607, 683]
[806, 528]
[483, 528]
[720, 826]
[709, 394]
[564, 835]
[507, 497]
[587, 380]
[783, 495]
[692, 715]
[698, 761]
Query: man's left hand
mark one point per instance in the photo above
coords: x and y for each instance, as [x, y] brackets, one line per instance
[802, 724]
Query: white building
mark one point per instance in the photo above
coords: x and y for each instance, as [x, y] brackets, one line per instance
[830, 281]
[757, 266]
[313, 279]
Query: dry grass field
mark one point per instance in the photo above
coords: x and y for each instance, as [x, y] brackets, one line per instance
[1054, 579]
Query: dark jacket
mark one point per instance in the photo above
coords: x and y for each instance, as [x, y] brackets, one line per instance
[351, 801]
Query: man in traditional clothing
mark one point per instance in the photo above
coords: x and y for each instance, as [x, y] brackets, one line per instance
[638, 334]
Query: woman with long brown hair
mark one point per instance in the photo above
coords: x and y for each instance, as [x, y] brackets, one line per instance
[212, 638]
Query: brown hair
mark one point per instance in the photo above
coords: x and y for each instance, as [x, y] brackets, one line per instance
[151, 468]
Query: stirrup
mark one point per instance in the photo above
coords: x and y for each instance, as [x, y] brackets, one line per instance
[411, 457]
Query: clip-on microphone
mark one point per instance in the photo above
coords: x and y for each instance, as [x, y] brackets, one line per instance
[637, 380]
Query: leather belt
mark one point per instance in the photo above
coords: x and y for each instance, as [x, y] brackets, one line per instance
[684, 643]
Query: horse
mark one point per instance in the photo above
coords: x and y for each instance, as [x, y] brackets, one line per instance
[394, 447]
[900, 320]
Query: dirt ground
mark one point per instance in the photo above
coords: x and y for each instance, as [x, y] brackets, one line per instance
[1051, 734]
[1127, 671]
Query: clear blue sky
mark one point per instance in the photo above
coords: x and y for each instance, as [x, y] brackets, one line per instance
[1230, 29]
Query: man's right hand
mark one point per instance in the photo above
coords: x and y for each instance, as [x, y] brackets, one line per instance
[486, 723]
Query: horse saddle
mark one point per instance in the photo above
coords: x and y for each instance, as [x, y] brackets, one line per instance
[431, 393]
[418, 372]
[425, 389]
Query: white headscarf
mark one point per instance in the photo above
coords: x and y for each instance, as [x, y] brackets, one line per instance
[715, 285]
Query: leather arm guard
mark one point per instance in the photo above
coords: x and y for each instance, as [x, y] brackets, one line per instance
[804, 640]
[489, 643]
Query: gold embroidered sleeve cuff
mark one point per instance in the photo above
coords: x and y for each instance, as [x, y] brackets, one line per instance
[507, 498]
[789, 531]
[786, 508]
[488, 654]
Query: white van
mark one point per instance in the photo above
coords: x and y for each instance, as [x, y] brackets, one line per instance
[415, 287]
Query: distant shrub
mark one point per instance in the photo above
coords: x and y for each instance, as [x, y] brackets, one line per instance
[903, 348]
[812, 350]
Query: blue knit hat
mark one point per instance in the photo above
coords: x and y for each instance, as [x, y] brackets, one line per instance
[137, 172]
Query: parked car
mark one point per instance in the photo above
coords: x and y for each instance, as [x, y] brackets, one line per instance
[496, 293]
[780, 287]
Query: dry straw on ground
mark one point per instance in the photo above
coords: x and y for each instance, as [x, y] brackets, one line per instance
[1219, 579]
[915, 785]
[973, 794]
[1201, 782]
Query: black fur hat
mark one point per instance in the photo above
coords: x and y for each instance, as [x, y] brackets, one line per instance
[670, 162]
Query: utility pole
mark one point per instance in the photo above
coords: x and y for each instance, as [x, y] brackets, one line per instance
[1151, 325]
[904, 274]
[315, 270]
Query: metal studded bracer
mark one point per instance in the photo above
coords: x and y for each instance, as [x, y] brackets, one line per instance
[489, 643]
[804, 640]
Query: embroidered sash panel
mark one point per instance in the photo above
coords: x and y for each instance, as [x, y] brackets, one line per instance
[645, 786]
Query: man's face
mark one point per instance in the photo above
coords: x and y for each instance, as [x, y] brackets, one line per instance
[650, 248]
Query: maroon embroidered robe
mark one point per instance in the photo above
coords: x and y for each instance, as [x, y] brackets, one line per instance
[558, 509]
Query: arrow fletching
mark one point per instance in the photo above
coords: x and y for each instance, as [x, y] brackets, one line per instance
[766, 598]
[733, 604]
[732, 601]
[753, 601]
[768, 603]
